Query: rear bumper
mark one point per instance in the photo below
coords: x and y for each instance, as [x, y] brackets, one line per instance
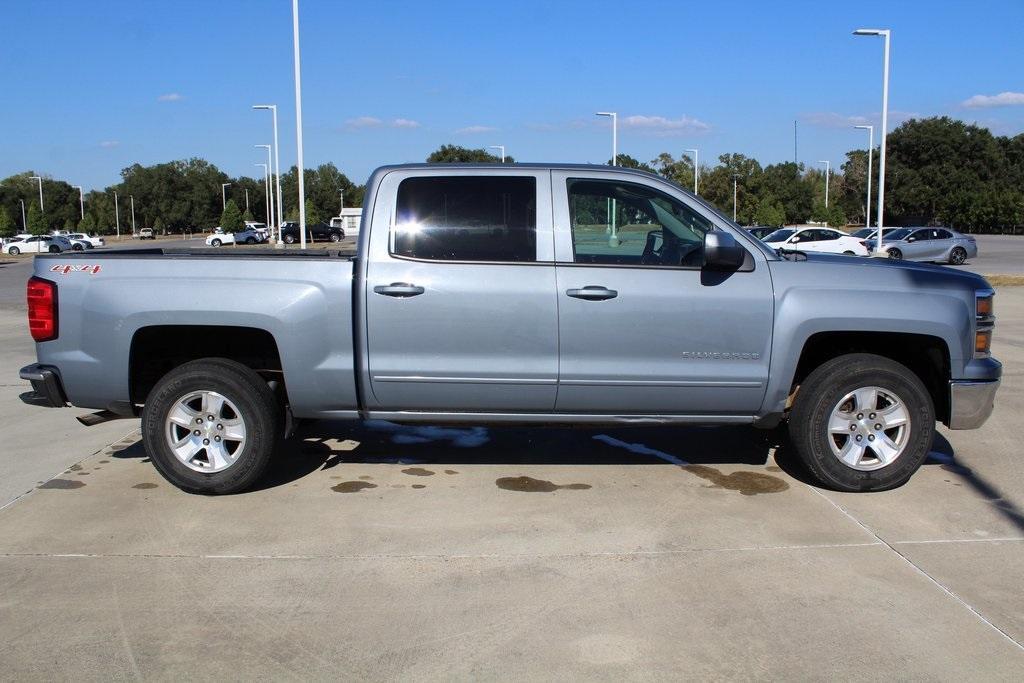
[971, 402]
[47, 390]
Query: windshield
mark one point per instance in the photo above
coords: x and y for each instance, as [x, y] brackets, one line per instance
[780, 235]
[862, 233]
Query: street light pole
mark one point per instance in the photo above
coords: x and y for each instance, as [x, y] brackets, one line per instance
[828, 172]
[266, 192]
[224, 196]
[35, 177]
[298, 126]
[871, 152]
[341, 194]
[81, 199]
[270, 186]
[734, 178]
[117, 216]
[24, 223]
[696, 166]
[277, 167]
[500, 147]
[613, 238]
[887, 34]
[132, 197]
[247, 199]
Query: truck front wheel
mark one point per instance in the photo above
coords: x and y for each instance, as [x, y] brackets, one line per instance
[211, 426]
[862, 422]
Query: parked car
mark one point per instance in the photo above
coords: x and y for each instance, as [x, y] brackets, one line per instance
[927, 244]
[760, 231]
[348, 221]
[470, 303]
[247, 236]
[314, 232]
[37, 244]
[260, 229]
[863, 233]
[824, 240]
[93, 240]
[147, 234]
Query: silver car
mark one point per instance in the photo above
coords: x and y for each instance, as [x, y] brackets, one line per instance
[927, 244]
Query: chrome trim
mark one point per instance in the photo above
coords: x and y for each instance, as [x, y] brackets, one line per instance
[462, 380]
[970, 403]
[553, 418]
[659, 383]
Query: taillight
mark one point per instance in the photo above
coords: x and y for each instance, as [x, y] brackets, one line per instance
[42, 309]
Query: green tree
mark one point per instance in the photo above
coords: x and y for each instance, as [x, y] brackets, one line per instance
[769, 212]
[312, 215]
[69, 224]
[87, 224]
[247, 216]
[158, 226]
[6, 223]
[626, 161]
[231, 218]
[36, 222]
[454, 154]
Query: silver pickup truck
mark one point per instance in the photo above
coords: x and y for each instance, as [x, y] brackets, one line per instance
[517, 294]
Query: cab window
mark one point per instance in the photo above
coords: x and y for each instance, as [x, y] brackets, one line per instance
[620, 223]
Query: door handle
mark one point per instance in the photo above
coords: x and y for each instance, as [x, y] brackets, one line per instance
[592, 293]
[399, 289]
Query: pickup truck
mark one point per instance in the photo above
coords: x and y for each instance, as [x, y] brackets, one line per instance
[493, 294]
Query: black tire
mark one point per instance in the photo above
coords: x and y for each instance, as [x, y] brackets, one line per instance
[14, 251]
[258, 409]
[820, 393]
[289, 239]
[250, 240]
[958, 256]
[895, 254]
[849, 253]
[335, 237]
[54, 249]
[215, 243]
[77, 247]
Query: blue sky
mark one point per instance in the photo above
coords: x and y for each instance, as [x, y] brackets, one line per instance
[93, 87]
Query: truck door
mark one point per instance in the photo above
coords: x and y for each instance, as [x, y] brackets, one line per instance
[461, 312]
[642, 329]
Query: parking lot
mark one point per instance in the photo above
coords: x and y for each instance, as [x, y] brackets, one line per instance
[381, 551]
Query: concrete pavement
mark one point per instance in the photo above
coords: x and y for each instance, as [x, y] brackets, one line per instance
[408, 553]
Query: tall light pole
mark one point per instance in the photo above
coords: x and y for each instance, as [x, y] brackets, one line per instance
[341, 195]
[247, 199]
[277, 166]
[270, 187]
[224, 195]
[615, 134]
[132, 197]
[117, 216]
[828, 172]
[24, 223]
[35, 177]
[613, 233]
[696, 163]
[499, 147]
[887, 34]
[735, 176]
[266, 192]
[298, 126]
[81, 199]
[871, 152]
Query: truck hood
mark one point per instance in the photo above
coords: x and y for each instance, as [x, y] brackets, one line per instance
[853, 272]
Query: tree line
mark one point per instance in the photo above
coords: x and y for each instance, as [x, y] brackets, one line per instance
[939, 171]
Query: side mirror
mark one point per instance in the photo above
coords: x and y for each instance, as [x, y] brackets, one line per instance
[911, 239]
[722, 252]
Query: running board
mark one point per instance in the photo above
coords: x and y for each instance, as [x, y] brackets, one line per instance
[97, 418]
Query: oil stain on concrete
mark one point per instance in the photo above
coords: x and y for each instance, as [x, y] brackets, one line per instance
[63, 484]
[418, 472]
[531, 485]
[144, 485]
[352, 486]
[747, 483]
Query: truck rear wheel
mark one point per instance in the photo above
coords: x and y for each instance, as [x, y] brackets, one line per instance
[211, 426]
[862, 422]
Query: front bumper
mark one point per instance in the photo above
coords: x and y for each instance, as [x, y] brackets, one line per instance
[971, 402]
[47, 390]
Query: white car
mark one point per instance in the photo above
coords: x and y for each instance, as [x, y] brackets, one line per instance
[247, 236]
[82, 237]
[825, 240]
[34, 244]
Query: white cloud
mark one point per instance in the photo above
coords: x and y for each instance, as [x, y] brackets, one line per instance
[363, 122]
[405, 123]
[469, 130]
[170, 97]
[831, 119]
[1003, 99]
[663, 127]
[110, 143]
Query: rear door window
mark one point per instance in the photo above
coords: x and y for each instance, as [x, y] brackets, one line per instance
[467, 218]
